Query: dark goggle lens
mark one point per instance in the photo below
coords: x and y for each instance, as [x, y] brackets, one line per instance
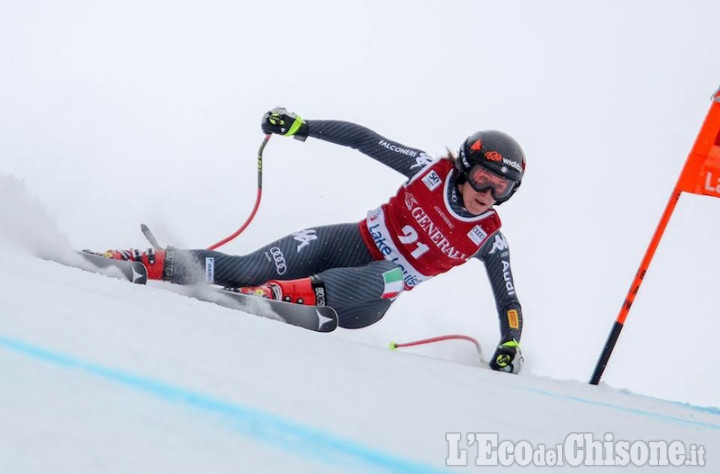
[481, 179]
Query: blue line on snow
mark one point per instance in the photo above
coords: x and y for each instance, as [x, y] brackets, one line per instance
[687, 406]
[271, 429]
[636, 411]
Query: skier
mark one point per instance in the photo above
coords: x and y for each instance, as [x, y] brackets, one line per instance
[442, 216]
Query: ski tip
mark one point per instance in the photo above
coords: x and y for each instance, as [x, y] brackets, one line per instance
[393, 345]
[134, 272]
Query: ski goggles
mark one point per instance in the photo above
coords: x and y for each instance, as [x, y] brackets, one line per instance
[481, 179]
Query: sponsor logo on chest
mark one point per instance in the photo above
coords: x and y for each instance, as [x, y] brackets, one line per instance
[436, 235]
[477, 234]
[432, 180]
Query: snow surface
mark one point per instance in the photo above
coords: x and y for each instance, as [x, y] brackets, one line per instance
[112, 114]
[99, 375]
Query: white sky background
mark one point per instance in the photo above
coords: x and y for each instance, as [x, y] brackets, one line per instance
[116, 114]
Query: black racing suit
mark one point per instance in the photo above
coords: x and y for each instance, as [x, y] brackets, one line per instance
[338, 254]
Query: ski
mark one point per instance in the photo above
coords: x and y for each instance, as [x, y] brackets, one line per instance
[314, 318]
[135, 272]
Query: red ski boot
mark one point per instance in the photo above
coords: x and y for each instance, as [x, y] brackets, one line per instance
[154, 260]
[308, 291]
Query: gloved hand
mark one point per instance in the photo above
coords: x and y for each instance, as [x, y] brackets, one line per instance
[282, 122]
[507, 357]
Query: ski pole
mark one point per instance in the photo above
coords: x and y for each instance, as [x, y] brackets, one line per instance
[257, 200]
[395, 345]
[150, 236]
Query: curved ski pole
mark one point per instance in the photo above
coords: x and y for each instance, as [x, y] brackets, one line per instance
[257, 200]
[395, 345]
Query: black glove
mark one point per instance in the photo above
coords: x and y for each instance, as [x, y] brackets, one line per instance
[507, 357]
[282, 122]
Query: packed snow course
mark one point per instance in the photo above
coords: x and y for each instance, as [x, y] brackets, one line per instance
[99, 375]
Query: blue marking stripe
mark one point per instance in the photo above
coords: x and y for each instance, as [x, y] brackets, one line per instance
[312, 443]
[637, 411]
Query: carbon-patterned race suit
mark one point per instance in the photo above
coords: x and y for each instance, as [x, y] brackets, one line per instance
[424, 230]
[492, 249]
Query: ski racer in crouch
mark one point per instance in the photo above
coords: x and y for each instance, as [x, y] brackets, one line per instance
[441, 217]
